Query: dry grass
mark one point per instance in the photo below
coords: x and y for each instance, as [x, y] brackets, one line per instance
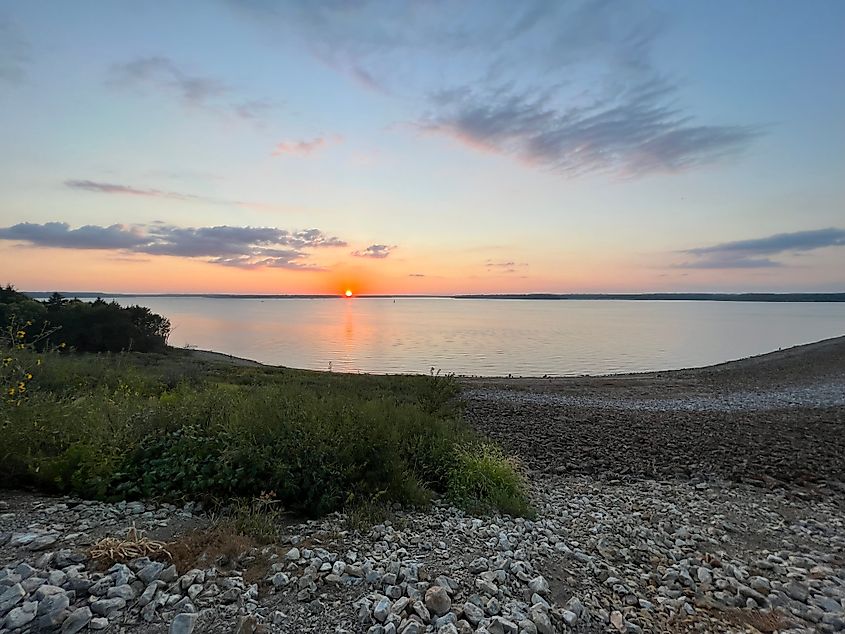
[718, 619]
[110, 550]
[773, 621]
[220, 545]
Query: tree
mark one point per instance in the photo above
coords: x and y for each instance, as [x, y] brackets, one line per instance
[55, 302]
[97, 326]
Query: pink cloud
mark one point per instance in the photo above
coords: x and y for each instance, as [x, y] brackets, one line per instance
[305, 147]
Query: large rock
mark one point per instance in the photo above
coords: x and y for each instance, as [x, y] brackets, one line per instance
[539, 585]
[124, 591]
[19, 617]
[473, 613]
[501, 625]
[183, 623]
[52, 620]
[169, 574]
[280, 580]
[104, 607]
[479, 565]
[381, 609]
[148, 594]
[43, 542]
[78, 619]
[53, 602]
[541, 621]
[11, 597]
[437, 600]
[47, 590]
[25, 571]
[150, 572]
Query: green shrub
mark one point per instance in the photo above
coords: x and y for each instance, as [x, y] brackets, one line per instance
[482, 478]
[122, 426]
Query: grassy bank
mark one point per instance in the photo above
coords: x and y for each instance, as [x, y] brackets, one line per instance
[168, 425]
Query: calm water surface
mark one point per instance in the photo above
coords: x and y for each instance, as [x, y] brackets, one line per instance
[492, 337]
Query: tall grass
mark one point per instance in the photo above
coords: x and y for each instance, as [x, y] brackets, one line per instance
[150, 425]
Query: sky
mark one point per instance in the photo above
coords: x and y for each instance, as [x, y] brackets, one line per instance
[429, 146]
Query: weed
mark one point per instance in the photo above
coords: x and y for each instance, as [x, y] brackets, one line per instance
[132, 425]
[483, 479]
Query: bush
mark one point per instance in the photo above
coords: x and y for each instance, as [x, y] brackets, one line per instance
[483, 479]
[116, 426]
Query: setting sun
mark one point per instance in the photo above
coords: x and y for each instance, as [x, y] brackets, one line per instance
[348, 293]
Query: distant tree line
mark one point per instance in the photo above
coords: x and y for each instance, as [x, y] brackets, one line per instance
[97, 326]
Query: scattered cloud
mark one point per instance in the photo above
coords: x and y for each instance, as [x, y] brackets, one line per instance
[416, 275]
[255, 109]
[633, 134]
[163, 73]
[193, 90]
[758, 252]
[245, 247]
[504, 266]
[375, 251]
[304, 147]
[59, 234]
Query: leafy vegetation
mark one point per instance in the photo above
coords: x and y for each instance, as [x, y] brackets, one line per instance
[96, 326]
[174, 426]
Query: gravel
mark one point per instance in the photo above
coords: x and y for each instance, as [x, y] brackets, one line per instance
[646, 521]
[599, 556]
[830, 394]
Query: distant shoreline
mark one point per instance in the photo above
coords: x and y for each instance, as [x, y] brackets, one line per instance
[698, 297]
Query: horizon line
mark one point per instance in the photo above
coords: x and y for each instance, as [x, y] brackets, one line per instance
[765, 296]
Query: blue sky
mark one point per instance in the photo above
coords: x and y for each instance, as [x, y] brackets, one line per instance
[440, 147]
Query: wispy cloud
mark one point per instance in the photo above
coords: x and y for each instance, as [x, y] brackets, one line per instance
[129, 190]
[505, 266]
[758, 252]
[163, 73]
[632, 134]
[387, 46]
[191, 89]
[245, 247]
[304, 147]
[98, 187]
[255, 109]
[375, 251]
[14, 52]
[569, 87]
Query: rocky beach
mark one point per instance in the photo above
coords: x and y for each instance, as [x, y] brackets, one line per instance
[706, 500]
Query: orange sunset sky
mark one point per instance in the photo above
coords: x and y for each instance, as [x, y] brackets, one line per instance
[421, 148]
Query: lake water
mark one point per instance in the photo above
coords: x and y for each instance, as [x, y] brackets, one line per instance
[491, 337]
